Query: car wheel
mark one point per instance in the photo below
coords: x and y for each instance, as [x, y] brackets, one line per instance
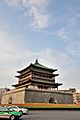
[21, 111]
[26, 113]
[12, 117]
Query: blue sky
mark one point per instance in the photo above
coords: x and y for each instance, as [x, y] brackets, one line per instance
[45, 29]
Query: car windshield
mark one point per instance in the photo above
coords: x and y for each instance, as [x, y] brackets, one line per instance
[14, 107]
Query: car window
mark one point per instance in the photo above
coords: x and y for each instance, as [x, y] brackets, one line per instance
[10, 109]
[5, 109]
[0, 109]
[14, 107]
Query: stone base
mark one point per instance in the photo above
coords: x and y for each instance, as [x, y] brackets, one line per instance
[26, 95]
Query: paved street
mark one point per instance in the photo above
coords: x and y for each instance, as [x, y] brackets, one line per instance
[52, 115]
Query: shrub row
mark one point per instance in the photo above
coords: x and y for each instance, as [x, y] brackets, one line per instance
[48, 106]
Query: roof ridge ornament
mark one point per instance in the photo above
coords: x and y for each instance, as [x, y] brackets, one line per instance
[36, 61]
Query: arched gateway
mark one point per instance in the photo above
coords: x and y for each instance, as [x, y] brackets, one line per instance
[10, 100]
[53, 100]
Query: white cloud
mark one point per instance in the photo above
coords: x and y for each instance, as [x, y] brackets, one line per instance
[70, 34]
[7, 46]
[14, 2]
[40, 20]
[60, 33]
[74, 48]
[36, 9]
[70, 78]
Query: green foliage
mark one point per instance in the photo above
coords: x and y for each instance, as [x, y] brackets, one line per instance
[70, 107]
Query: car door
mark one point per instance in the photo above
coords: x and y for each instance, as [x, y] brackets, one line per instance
[1, 114]
[4, 113]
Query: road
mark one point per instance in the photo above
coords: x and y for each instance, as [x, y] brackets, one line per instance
[52, 115]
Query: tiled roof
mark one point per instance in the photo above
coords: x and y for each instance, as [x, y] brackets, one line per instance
[37, 64]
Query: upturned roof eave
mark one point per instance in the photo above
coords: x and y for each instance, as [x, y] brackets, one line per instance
[33, 65]
[40, 82]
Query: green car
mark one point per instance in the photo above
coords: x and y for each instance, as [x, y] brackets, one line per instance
[7, 114]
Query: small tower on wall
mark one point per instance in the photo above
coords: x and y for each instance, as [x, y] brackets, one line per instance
[37, 76]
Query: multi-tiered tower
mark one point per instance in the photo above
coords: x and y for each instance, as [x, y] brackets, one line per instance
[37, 76]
